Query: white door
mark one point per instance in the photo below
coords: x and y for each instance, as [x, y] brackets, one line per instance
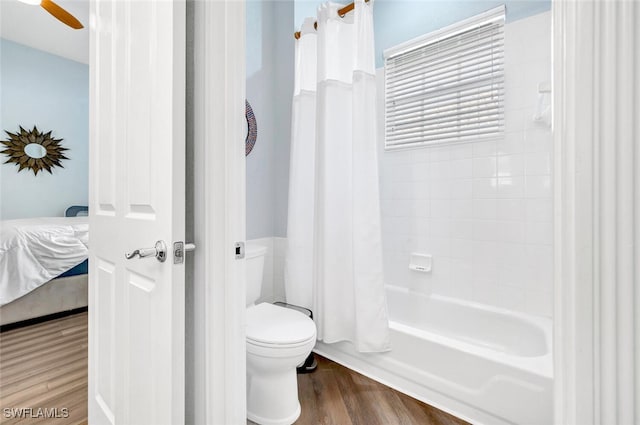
[137, 197]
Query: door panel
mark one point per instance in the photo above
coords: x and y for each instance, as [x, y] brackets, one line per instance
[136, 306]
[103, 320]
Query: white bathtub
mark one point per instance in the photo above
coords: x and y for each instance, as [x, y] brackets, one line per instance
[483, 364]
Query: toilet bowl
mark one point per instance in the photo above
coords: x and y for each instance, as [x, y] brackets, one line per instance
[278, 340]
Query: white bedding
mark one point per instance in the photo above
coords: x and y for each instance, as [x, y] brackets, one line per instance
[33, 251]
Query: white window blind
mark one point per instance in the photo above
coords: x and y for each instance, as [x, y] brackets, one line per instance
[447, 86]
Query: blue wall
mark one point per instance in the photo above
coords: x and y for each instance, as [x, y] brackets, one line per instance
[51, 92]
[396, 21]
[270, 52]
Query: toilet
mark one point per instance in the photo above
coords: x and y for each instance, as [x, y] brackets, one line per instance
[278, 340]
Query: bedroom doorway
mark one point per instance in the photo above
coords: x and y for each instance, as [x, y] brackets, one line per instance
[215, 200]
[44, 81]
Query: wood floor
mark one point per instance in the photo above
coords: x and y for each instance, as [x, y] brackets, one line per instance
[45, 366]
[335, 395]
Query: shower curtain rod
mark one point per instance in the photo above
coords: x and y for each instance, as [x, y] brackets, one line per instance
[341, 12]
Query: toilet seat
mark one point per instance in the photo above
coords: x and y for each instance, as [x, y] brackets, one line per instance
[271, 326]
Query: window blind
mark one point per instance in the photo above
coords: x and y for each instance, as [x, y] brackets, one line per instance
[447, 86]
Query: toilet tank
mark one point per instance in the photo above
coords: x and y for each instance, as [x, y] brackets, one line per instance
[254, 255]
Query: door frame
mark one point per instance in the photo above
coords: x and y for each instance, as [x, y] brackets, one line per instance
[595, 329]
[573, 276]
[219, 211]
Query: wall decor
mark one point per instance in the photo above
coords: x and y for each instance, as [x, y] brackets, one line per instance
[33, 150]
[252, 129]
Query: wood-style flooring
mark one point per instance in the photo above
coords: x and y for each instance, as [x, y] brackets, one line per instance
[335, 395]
[45, 366]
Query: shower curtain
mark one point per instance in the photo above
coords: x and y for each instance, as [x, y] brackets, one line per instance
[333, 263]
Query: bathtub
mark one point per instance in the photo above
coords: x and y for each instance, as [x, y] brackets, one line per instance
[483, 364]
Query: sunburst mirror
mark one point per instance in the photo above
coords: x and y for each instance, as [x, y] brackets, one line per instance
[252, 128]
[33, 150]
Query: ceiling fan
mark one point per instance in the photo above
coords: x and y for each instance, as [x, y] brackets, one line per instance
[58, 12]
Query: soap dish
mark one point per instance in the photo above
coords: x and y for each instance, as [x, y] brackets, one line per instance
[420, 262]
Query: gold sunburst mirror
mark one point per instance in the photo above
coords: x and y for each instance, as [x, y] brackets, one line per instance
[33, 150]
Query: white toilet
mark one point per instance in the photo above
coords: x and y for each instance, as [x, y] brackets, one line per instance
[278, 340]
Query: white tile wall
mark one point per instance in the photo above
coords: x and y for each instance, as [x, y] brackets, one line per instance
[483, 210]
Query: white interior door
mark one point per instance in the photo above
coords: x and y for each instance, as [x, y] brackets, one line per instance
[137, 197]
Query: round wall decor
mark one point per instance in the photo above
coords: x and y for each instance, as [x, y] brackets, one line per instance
[33, 150]
[252, 129]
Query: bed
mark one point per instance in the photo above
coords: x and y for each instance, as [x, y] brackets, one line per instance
[43, 266]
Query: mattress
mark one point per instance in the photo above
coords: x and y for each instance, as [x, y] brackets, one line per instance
[34, 251]
[82, 268]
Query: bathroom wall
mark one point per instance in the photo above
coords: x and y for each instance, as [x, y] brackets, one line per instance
[483, 210]
[51, 92]
[269, 91]
[396, 21]
[270, 67]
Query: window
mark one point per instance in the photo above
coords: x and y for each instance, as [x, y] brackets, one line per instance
[447, 86]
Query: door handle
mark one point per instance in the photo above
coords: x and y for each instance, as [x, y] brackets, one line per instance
[159, 251]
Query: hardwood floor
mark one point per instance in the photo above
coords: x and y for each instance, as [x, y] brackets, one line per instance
[335, 395]
[45, 366]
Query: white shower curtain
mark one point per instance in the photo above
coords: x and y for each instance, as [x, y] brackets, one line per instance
[334, 255]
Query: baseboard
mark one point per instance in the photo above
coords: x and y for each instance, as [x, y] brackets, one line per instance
[36, 320]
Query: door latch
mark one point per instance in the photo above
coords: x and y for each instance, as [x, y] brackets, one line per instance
[239, 250]
[179, 248]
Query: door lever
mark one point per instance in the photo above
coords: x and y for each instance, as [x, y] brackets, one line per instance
[159, 251]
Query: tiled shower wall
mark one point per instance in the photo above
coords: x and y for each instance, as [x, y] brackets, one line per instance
[483, 209]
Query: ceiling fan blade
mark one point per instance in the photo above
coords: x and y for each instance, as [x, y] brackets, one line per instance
[61, 14]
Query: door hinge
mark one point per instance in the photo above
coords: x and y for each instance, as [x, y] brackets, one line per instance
[179, 248]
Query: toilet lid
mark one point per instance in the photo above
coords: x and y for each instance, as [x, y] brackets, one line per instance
[270, 324]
